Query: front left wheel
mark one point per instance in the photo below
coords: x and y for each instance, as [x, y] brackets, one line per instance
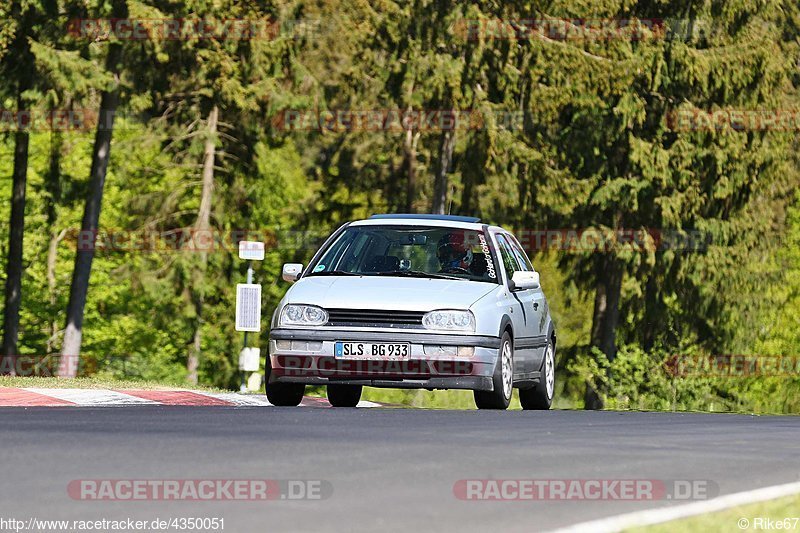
[503, 379]
[541, 396]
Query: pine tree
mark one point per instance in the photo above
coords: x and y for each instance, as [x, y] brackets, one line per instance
[29, 21]
[109, 103]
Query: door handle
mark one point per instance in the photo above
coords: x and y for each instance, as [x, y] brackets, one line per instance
[535, 306]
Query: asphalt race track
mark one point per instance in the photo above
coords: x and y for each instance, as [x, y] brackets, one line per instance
[389, 469]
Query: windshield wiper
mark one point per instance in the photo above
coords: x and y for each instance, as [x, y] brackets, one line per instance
[415, 274]
[333, 273]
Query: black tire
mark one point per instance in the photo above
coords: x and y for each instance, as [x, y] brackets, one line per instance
[500, 397]
[540, 397]
[344, 395]
[283, 394]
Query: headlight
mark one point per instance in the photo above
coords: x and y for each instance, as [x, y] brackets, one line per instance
[303, 315]
[450, 320]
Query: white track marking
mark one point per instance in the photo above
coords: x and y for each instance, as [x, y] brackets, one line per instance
[92, 397]
[666, 514]
[238, 399]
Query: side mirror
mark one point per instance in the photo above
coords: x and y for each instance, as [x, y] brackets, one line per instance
[291, 271]
[521, 281]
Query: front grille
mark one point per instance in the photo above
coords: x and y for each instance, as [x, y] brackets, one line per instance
[375, 318]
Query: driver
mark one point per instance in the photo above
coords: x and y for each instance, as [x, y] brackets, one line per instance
[454, 252]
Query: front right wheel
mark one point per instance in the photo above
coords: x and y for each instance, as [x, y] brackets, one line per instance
[541, 396]
[503, 379]
[283, 394]
[344, 395]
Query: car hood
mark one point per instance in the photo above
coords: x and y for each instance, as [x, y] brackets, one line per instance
[386, 292]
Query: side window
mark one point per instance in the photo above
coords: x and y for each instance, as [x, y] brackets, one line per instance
[333, 256]
[351, 258]
[519, 253]
[510, 264]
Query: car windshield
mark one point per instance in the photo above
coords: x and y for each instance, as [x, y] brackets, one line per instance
[409, 251]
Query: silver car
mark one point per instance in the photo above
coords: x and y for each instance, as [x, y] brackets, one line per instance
[414, 301]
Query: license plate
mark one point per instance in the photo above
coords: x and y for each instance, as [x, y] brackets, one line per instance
[369, 350]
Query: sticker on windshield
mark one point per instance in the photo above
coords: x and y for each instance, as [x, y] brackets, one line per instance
[319, 268]
[488, 256]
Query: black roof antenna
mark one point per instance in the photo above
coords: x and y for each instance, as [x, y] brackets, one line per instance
[452, 193]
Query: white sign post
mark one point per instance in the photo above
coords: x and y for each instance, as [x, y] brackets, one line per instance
[249, 359]
[251, 250]
[248, 308]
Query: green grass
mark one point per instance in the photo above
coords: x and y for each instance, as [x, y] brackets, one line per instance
[92, 383]
[728, 520]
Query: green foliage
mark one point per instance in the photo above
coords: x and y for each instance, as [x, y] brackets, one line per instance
[641, 381]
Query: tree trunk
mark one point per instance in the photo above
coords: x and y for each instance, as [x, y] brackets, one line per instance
[439, 205]
[13, 293]
[52, 257]
[469, 179]
[193, 360]
[202, 224]
[71, 349]
[606, 306]
[52, 179]
[203, 221]
[651, 312]
[605, 316]
[53, 199]
[410, 156]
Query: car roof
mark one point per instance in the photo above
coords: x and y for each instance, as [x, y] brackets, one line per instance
[429, 216]
[444, 221]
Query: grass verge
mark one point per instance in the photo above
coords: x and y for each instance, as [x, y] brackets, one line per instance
[92, 383]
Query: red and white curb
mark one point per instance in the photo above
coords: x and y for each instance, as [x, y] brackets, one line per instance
[36, 397]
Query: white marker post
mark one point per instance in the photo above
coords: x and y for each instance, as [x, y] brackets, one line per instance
[248, 308]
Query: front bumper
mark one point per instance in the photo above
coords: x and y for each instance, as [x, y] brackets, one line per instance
[307, 356]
